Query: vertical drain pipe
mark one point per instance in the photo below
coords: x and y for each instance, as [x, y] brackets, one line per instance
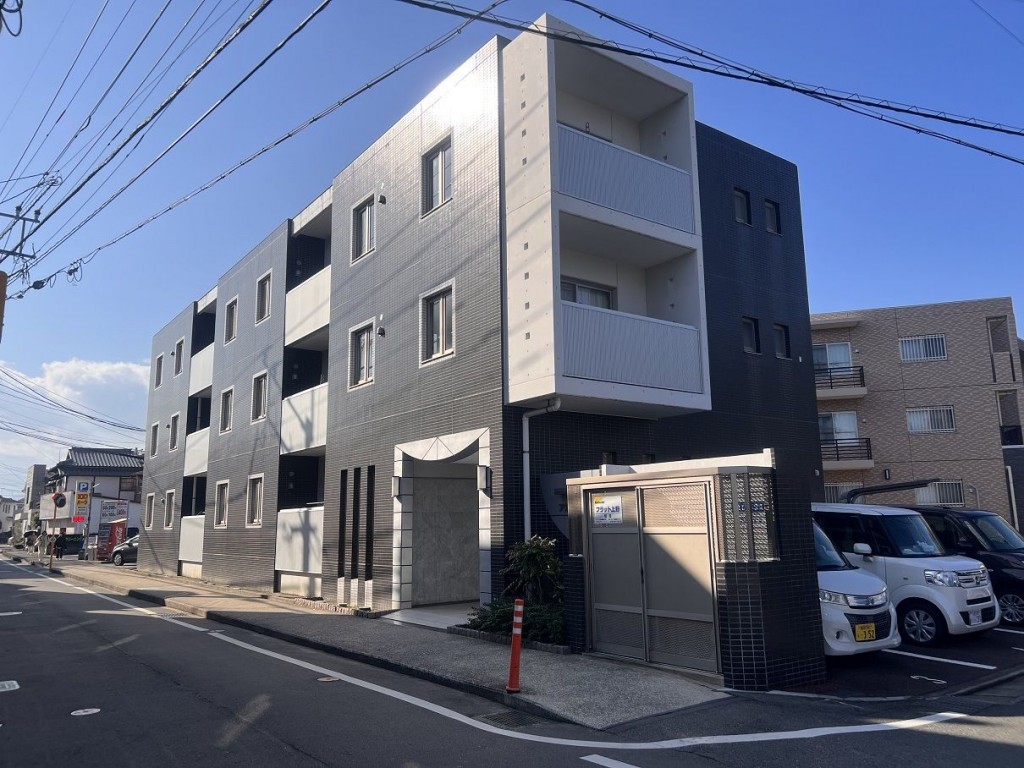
[1013, 497]
[551, 407]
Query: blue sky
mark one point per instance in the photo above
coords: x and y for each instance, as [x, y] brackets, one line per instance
[890, 216]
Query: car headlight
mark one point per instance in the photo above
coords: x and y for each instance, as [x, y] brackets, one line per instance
[832, 597]
[942, 578]
[868, 601]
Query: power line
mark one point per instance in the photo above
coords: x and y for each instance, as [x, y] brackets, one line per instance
[996, 21]
[34, 389]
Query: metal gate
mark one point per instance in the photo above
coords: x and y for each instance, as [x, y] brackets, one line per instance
[651, 573]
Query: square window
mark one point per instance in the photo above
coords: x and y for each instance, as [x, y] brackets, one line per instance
[254, 501]
[220, 505]
[741, 202]
[781, 334]
[437, 325]
[158, 375]
[172, 439]
[364, 229]
[361, 353]
[772, 219]
[231, 321]
[263, 298]
[227, 401]
[150, 505]
[178, 354]
[437, 176]
[169, 509]
[154, 435]
[751, 335]
[259, 397]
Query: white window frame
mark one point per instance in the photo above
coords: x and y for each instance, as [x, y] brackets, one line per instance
[220, 516]
[172, 438]
[443, 151]
[354, 332]
[596, 287]
[154, 438]
[179, 355]
[158, 372]
[933, 412]
[946, 493]
[851, 419]
[147, 522]
[360, 246]
[829, 346]
[447, 293]
[252, 521]
[231, 320]
[253, 418]
[923, 348]
[268, 278]
[169, 498]
[230, 411]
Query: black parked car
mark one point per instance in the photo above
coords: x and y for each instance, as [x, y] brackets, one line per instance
[987, 537]
[126, 552]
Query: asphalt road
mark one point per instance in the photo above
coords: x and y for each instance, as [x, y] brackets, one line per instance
[111, 681]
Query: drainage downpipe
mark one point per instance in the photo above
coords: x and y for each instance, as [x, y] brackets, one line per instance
[552, 406]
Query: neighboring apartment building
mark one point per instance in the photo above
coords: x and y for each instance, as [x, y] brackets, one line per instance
[97, 485]
[923, 392]
[8, 509]
[524, 277]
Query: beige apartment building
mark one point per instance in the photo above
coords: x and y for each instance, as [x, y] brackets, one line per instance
[929, 391]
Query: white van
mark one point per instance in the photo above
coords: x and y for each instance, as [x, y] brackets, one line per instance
[935, 594]
[856, 613]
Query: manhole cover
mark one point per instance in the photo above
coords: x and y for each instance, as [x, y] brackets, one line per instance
[81, 712]
[8, 685]
[511, 719]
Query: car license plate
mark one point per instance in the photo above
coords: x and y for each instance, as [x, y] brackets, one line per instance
[864, 632]
[976, 592]
[973, 617]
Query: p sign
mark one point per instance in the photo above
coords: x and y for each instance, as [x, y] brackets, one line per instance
[83, 487]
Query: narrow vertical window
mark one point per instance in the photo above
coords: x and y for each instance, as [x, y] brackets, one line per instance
[371, 478]
[169, 509]
[342, 522]
[150, 504]
[179, 354]
[438, 339]
[364, 229]
[772, 219]
[158, 375]
[254, 501]
[227, 398]
[172, 439]
[220, 505]
[437, 176]
[362, 356]
[231, 321]
[741, 204]
[751, 335]
[263, 298]
[154, 436]
[259, 397]
[356, 489]
[781, 335]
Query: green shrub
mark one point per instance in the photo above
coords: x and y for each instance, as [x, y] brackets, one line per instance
[534, 572]
[542, 622]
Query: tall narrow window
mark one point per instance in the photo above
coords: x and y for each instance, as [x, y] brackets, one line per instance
[158, 375]
[437, 176]
[150, 505]
[741, 204]
[259, 397]
[231, 321]
[772, 219]
[220, 505]
[781, 334]
[169, 509]
[172, 439]
[371, 478]
[356, 489]
[254, 501]
[342, 521]
[263, 298]
[179, 354]
[154, 436]
[364, 229]
[362, 356]
[437, 325]
[751, 335]
[998, 334]
[227, 402]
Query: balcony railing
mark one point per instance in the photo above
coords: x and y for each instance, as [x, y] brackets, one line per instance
[200, 373]
[602, 345]
[304, 420]
[605, 174]
[846, 449]
[831, 378]
[308, 306]
[1011, 434]
[197, 452]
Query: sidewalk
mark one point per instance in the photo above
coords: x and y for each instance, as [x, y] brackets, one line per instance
[587, 690]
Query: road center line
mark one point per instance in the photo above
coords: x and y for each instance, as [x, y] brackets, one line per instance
[1010, 631]
[808, 733]
[939, 658]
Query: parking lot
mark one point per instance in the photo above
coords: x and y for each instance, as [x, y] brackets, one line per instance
[912, 671]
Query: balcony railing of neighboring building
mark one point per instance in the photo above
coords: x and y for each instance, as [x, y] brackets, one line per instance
[832, 378]
[846, 449]
[1011, 434]
[611, 176]
[603, 345]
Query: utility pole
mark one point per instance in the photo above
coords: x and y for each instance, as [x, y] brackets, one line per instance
[17, 216]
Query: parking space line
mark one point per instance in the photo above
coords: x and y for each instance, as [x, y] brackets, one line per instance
[939, 658]
[1009, 631]
[607, 762]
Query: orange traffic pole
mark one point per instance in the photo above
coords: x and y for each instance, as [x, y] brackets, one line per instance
[517, 646]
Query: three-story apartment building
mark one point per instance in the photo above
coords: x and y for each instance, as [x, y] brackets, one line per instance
[923, 392]
[524, 278]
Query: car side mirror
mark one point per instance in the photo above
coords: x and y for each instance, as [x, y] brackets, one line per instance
[862, 549]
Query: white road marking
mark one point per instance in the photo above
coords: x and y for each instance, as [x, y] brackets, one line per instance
[1009, 631]
[1017, 649]
[9, 685]
[607, 762]
[808, 733]
[11, 613]
[929, 679]
[939, 658]
[83, 712]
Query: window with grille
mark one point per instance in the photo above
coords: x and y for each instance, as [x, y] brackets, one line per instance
[254, 501]
[364, 229]
[949, 493]
[935, 419]
[919, 349]
[220, 505]
[835, 493]
[437, 176]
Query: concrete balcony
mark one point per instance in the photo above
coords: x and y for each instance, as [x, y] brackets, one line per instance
[304, 421]
[847, 453]
[200, 373]
[308, 307]
[599, 172]
[841, 383]
[197, 452]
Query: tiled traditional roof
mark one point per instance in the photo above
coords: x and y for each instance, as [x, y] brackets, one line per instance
[102, 460]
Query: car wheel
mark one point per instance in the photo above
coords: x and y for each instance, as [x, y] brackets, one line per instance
[118, 558]
[1012, 606]
[921, 624]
